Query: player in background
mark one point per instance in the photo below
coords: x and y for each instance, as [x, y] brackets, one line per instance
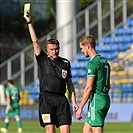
[97, 87]
[12, 109]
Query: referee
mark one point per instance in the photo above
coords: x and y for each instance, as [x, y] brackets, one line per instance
[55, 74]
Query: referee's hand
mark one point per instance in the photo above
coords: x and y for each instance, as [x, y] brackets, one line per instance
[75, 107]
[27, 16]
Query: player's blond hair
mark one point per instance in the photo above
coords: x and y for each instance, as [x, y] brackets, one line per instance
[88, 39]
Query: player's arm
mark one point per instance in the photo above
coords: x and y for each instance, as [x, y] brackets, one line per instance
[71, 91]
[87, 91]
[86, 95]
[8, 101]
[36, 45]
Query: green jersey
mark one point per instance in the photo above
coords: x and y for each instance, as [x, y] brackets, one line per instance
[100, 68]
[14, 97]
[14, 93]
[99, 98]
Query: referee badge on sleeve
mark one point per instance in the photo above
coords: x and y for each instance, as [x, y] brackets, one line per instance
[64, 73]
[46, 118]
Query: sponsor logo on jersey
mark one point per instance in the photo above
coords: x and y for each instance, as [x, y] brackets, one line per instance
[64, 73]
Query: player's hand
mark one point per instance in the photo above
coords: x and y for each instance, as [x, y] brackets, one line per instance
[78, 114]
[27, 16]
[10, 107]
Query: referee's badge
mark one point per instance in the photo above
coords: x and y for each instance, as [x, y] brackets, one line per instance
[46, 118]
[64, 73]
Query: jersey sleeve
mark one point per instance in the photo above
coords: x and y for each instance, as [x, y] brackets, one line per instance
[91, 69]
[40, 57]
[69, 71]
[7, 91]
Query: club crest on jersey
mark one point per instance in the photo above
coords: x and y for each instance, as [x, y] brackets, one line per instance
[89, 70]
[64, 73]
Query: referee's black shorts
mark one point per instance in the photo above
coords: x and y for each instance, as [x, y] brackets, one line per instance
[54, 109]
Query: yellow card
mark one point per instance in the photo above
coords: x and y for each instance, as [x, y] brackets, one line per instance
[27, 7]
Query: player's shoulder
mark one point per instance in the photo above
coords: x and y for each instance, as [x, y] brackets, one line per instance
[15, 87]
[99, 59]
[64, 60]
[91, 63]
[103, 60]
[8, 88]
[42, 54]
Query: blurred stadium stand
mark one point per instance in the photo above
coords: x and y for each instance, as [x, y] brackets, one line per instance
[116, 44]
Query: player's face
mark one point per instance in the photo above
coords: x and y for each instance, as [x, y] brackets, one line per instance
[53, 50]
[84, 49]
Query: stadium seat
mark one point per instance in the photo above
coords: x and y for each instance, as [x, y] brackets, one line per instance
[114, 64]
[78, 94]
[74, 80]
[118, 31]
[123, 31]
[130, 55]
[112, 73]
[79, 64]
[74, 65]
[122, 73]
[107, 40]
[130, 73]
[127, 92]
[121, 55]
[127, 39]
[124, 46]
[82, 81]
[116, 81]
[130, 22]
[116, 94]
[33, 93]
[74, 72]
[129, 31]
[81, 57]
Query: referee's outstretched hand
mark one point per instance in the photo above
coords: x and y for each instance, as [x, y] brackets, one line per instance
[27, 16]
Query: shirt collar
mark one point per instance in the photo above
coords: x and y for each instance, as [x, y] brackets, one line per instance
[93, 56]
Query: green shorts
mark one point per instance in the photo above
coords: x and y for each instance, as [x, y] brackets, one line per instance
[14, 112]
[97, 111]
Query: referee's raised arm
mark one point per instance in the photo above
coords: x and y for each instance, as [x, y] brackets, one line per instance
[36, 45]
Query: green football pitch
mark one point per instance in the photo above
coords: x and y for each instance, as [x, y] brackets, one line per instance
[34, 127]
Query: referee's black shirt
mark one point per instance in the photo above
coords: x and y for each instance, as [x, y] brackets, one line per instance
[53, 73]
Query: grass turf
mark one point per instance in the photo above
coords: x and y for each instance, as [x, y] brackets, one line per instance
[34, 127]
